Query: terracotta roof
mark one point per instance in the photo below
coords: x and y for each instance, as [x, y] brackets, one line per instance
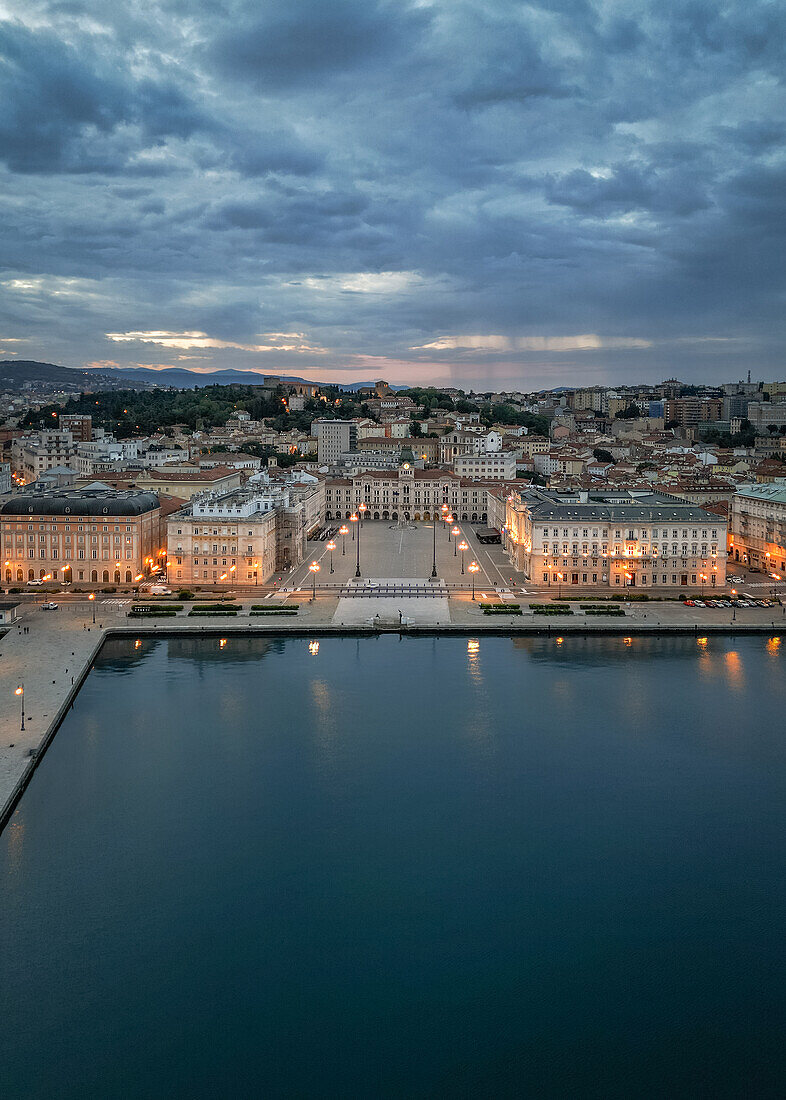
[215, 473]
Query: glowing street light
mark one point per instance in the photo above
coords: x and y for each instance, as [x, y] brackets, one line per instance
[343, 531]
[462, 547]
[448, 521]
[362, 509]
[354, 519]
[314, 567]
[473, 567]
[92, 598]
[560, 578]
[331, 546]
[256, 572]
[455, 532]
[20, 691]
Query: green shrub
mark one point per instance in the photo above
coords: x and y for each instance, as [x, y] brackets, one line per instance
[546, 610]
[205, 614]
[497, 606]
[274, 607]
[278, 611]
[502, 611]
[613, 612]
[215, 607]
[184, 594]
[13, 591]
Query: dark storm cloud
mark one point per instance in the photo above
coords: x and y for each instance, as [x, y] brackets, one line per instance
[289, 43]
[438, 181]
[60, 104]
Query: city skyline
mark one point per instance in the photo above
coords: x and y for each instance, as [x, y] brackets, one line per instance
[482, 196]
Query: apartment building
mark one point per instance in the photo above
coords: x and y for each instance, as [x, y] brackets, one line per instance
[80, 425]
[614, 540]
[757, 534]
[496, 466]
[32, 455]
[334, 438]
[90, 535]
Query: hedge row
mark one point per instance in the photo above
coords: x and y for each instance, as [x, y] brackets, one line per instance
[539, 610]
[274, 607]
[157, 614]
[502, 610]
[206, 614]
[613, 611]
[215, 607]
[497, 606]
[278, 611]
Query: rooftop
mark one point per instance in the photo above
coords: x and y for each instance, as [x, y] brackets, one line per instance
[82, 502]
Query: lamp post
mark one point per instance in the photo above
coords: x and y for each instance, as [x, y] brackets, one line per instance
[331, 547]
[362, 509]
[343, 531]
[449, 521]
[734, 606]
[92, 598]
[354, 519]
[434, 552]
[703, 579]
[456, 532]
[560, 578]
[462, 547]
[256, 572]
[20, 691]
[314, 567]
[473, 568]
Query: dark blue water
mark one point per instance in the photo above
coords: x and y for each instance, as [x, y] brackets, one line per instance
[427, 867]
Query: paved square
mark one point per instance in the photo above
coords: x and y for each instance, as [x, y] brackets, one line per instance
[391, 552]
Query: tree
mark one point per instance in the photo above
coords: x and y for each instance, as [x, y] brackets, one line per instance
[632, 412]
[603, 455]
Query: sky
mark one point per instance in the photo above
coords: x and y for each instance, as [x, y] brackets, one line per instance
[479, 193]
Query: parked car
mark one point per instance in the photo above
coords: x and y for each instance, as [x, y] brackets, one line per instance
[49, 606]
[35, 582]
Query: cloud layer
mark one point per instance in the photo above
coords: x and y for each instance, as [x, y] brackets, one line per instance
[439, 189]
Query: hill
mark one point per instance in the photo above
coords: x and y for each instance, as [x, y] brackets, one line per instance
[16, 374]
[182, 379]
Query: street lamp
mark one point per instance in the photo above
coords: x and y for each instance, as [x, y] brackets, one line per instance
[354, 519]
[473, 567]
[256, 572]
[456, 532]
[314, 567]
[448, 521]
[331, 546]
[20, 691]
[434, 557]
[560, 578]
[703, 579]
[462, 547]
[92, 598]
[362, 510]
[343, 531]
[734, 606]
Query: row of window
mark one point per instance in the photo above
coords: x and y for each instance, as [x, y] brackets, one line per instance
[632, 533]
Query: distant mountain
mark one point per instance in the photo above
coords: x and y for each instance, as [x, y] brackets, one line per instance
[183, 379]
[15, 374]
